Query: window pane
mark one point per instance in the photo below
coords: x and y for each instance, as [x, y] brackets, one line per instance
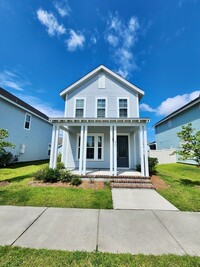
[28, 118]
[90, 141]
[123, 103]
[79, 141]
[79, 103]
[90, 153]
[79, 113]
[101, 103]
[99, 141]
[100, 113]
[99, 153]
[79, 153]
[123, 113]
[27, 125]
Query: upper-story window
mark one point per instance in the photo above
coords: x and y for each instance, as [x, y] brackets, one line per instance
[27, 122]
[101, 108]
[123, 108]
[79, 108]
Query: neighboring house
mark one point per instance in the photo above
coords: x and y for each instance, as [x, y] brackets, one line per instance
[102, 127]
[29, 129]
[167, 129]
[152, 145]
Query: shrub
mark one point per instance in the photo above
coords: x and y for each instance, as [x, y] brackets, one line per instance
[48, 175]
[6, 158]
[60, 165]
[76, 180]
[65, 176]
[152, 165]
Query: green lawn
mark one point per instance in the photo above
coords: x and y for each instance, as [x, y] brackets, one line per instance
[184, 181]
[31, 257]
[19, 193]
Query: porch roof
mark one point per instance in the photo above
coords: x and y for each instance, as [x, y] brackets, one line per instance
[98, 121]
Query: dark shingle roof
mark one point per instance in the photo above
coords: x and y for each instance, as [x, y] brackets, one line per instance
[21, 103]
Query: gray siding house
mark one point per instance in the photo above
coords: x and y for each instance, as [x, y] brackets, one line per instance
[101, 126]
[166, 130]
[29, 129]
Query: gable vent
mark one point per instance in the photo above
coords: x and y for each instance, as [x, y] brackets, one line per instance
[102, 81]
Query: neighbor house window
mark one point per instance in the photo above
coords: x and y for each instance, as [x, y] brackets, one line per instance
[94, 147]
[101, 108]
[123, 108]
[27, 122]
[169, 123]
[79, 108]
[49, 149]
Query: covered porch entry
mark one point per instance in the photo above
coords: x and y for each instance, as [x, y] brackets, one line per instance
[102, 145]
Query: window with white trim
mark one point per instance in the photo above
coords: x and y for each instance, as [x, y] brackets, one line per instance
[27, 122]
[123, 108]
[79, 108]
[101, 108]
[94, 146]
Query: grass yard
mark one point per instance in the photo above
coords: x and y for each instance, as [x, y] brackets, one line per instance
[184, 182]
[19, 193]
[23, 257]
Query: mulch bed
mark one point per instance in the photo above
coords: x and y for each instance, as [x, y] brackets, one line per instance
[158, 183]
[85, 184]
[4, 183]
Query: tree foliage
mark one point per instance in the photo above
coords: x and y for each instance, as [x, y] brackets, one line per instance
[3, 144]
[190, 144]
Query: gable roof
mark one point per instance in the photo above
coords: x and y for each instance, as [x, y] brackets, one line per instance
[183, 108]
[94, 73]
[18, 102]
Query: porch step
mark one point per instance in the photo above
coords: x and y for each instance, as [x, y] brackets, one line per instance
[132, 180]
[124, 177]
[133, 185]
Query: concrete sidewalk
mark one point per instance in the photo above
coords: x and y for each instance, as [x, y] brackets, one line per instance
[139, 199]
[117, 231]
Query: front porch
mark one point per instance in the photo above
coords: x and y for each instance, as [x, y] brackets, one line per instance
[110, 147]
[106, 172]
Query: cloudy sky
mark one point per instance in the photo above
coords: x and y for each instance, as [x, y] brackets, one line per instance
[47, 45]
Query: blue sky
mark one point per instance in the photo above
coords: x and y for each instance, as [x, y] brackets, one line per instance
[47, 45]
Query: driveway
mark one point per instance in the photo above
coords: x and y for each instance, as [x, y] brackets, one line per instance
[142, 199]
[116, 231]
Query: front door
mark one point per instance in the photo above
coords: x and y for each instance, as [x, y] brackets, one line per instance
[122, 151]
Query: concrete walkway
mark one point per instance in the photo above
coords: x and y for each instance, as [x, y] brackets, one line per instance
[142, 199]
[117, 231]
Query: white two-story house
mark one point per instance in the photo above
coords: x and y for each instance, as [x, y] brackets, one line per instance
[102, 128]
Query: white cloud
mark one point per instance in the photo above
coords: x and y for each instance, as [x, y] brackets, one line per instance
[41, 105]
[93, 39]
[62, 8]
[121, 37]
[171, 104]
[12, 79]
[51, 23]
[76, 40]
[145, 107]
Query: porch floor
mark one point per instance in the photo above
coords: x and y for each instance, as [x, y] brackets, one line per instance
[106, 172]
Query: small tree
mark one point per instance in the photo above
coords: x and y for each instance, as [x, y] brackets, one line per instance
[190, 146]
[4, 134]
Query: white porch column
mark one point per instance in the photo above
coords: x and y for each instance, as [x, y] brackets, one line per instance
[85, 150]
[81, 150]
[111, 150]
[115, 150]
[141, 151]
[145, 153]
[56, 147]
[52, 147]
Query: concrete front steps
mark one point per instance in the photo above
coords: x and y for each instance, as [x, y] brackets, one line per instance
[133, 182]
